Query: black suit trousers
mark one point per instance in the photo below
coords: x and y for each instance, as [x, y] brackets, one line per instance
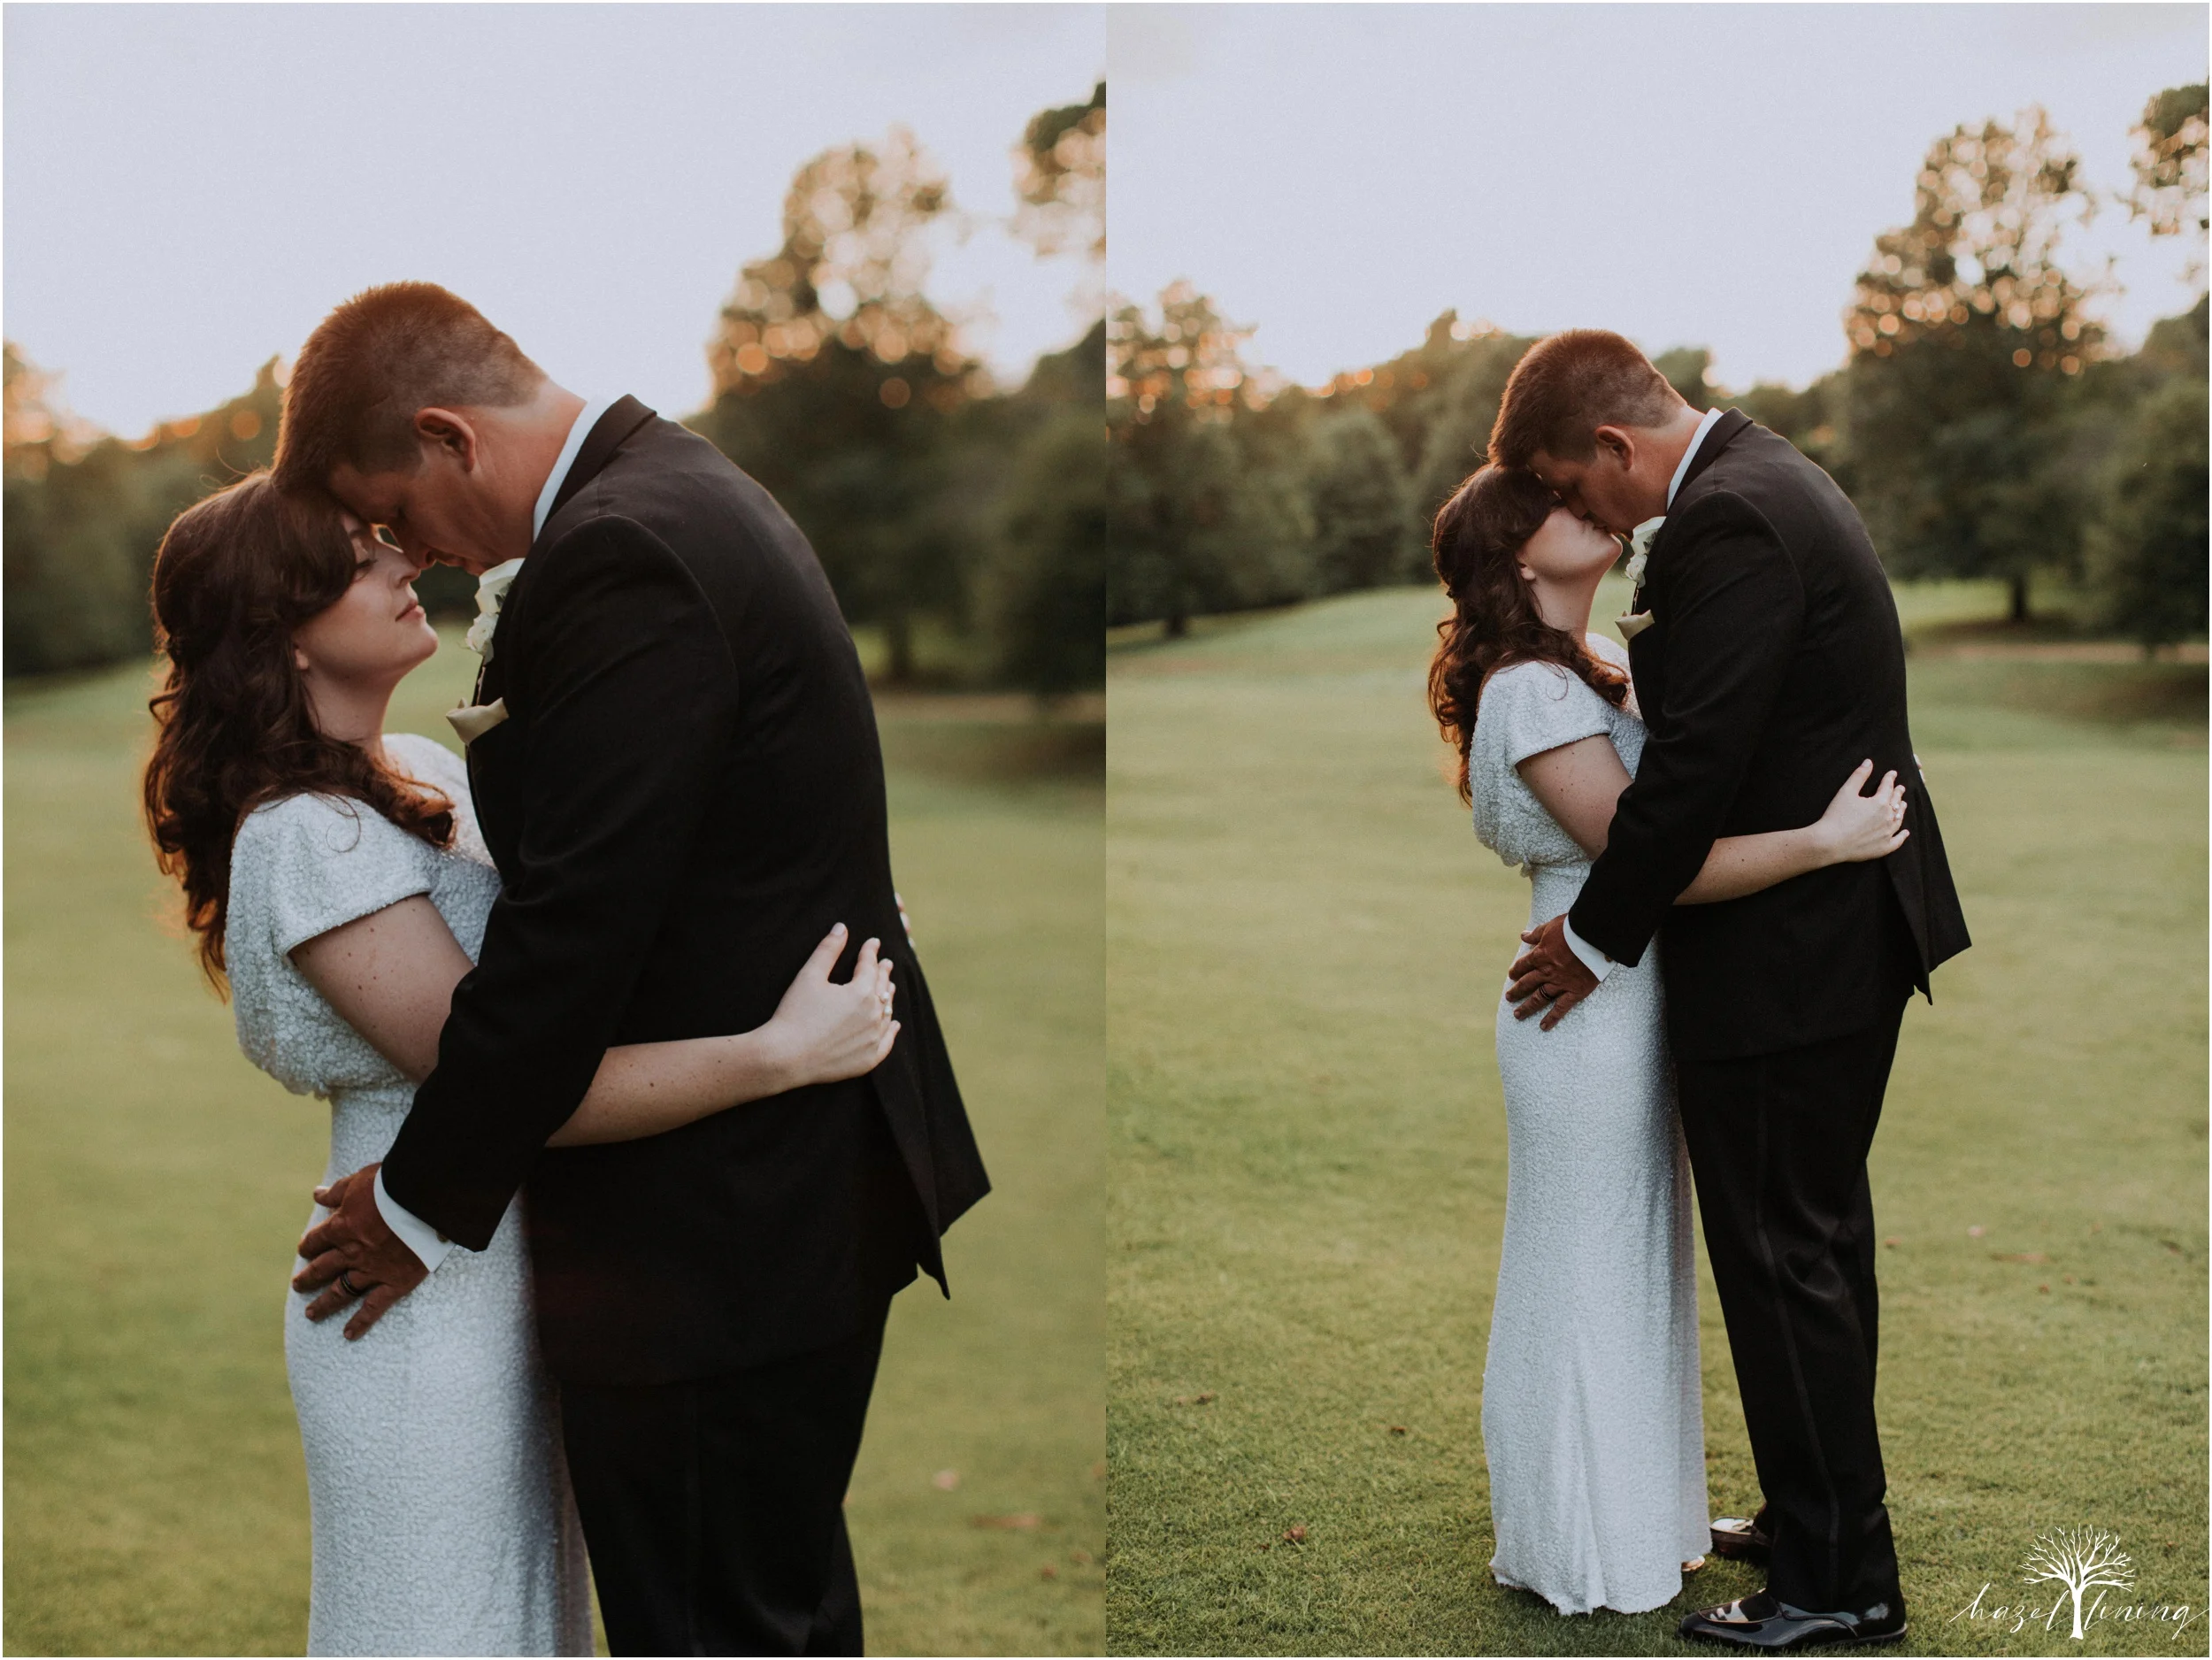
[1778, 1144]
[714, 1508]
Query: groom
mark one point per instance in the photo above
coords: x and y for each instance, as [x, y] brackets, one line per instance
[674, 762]
[1768, 663]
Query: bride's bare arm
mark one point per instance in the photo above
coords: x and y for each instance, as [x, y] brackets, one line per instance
[1580, 784]
[391, 975]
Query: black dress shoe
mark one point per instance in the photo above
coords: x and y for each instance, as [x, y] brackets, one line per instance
[1761, 1622]
[1741, 1538]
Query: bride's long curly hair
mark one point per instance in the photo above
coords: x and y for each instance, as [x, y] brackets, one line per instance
[1476, 543]
[236, 574]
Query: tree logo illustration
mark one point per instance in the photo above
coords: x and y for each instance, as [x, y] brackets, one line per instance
[2079, 1559]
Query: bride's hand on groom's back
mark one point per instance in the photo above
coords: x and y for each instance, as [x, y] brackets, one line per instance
[1858, 828]
[831, 1031]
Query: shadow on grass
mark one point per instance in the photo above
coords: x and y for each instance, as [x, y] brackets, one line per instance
[1042, 751]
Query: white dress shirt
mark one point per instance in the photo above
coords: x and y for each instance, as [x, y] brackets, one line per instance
[417, 1234]
[1593, 959]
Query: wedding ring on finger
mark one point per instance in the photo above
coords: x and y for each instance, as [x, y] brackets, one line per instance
[346, 1285]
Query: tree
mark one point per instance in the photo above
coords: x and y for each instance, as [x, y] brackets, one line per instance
[2147, 547]
[1197, 520]
[2169, 164]
[1471, 366]
[1966, 334]
[1363, 523]
[86, 511]
[2079, 1559]
[1043, 591]
[1060, 178]
[837, 382]
[1684, 369]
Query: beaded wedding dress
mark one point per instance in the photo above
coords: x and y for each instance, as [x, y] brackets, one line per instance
[1592, 1419]
[440, 1499]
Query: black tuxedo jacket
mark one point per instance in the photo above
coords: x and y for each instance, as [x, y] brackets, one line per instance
[1772, 665]
[685, 793]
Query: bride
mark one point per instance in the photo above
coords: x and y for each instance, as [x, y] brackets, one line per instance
[1592, 1416]
[334, 875]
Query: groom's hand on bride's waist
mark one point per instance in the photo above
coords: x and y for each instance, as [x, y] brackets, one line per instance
[1548, 978]
[353, 1253]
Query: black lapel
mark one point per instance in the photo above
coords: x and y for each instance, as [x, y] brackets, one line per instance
[1723, 433]
[622, 418]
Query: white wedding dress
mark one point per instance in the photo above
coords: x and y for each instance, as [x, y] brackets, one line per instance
[442, 1520]
[1592, 1419]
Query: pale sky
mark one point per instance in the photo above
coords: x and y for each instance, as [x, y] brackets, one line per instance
[189, 188]
[1709, 175]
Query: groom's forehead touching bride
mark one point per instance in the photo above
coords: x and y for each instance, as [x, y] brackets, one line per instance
[417, 415]
[1589, 415]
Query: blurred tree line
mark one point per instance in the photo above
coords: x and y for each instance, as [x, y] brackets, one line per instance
[933, 496]
[1979, 421]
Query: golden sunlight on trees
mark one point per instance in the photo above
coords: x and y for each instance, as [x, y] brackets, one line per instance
[84, 511]
[1989, 208]
[1188, 361]
[2169, 164]
[837, 381]
[850, 274]
[1232, 489]
[1060, 178]
[1964, 332]
[929, 494]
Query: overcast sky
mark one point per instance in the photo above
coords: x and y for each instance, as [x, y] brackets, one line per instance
[189, 188]
[1704, 175]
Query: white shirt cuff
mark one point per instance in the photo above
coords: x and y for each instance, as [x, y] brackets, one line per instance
[1593, 959]
[417, 1234]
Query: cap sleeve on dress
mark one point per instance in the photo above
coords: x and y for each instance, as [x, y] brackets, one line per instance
[1539, 706]
[427, 761]
[310, 863]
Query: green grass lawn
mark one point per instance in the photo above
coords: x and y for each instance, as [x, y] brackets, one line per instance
[1307, 1156]
[155, 1183]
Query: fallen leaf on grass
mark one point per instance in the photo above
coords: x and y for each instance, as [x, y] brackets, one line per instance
[2171, 1246]
[1891, 1241]
[1098, 1471]
[945, 1480]
[1048, 1573]
[1267, 1547]
[2019, 1256]
[1397, 1429]
[1206, 1399]
[2042, 1288]
[1081, 1558]
[1020, 1523]
[1295, 1536]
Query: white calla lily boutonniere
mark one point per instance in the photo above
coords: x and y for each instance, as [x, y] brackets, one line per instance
[1633, 623]
[491, 593]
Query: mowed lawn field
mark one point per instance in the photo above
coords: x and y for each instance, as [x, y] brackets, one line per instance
[155, 1499]
[1305, 948]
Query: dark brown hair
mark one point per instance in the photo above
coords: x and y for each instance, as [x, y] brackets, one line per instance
[236, 574]
[1478, 541]
[376, 360]
[1567, 385]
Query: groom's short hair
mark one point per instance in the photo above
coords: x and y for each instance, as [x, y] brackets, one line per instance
[1566, 386]
[386, 353]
